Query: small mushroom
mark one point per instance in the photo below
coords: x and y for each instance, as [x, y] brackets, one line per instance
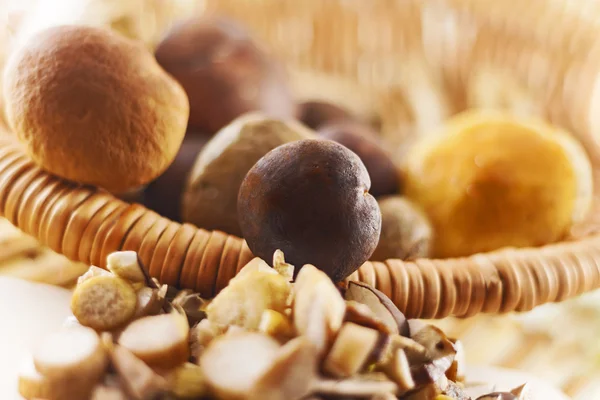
[138, 379]
[435, 341]
[350, 351]
[291, 373]
[318, 307]
[380, 304]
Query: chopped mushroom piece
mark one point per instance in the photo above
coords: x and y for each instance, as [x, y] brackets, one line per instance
[350, 351]
[435, 341]
[361, 314]
[69, 352]
[193, 305]
[397, 368]
[187, 381]
[148, 302]
[160, 340]
[233, 364]
[125, 265]
[139, 380]
[246, 297]
[276, 325]
[318, 307]
[291, 373]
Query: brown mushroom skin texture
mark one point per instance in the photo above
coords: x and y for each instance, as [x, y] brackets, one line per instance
[164, 194]
[316, 113]
[224, 73]
[310, 199]
[362, 140]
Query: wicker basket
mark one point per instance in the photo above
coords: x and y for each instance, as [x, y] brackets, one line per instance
[412, 64]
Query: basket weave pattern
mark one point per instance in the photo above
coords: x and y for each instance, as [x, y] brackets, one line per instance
[388, 50]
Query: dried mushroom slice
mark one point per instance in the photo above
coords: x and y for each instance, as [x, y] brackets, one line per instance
[193, 305]
[284, 269]
[246, 297]
[276, 325]
[350, 351]
[160, 340]
[200, 336]
[435, 341]
[92, 272]
[397, 368]
[138, 379]
[383, 308]
[69, 352]
[125, 264]
[318, 308]
[456, 372]
[360, 386]
[498, 396]
[148, 303]
[233, 364]
[291, 373]
[104, 302]
[187, 381]
[361, 314]
[522, 392]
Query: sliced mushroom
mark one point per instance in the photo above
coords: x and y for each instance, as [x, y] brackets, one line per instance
[276, 325]
[74, 351]
[200, 336]
[350, 351]
[233, 364]
[125, 265]
[361, 314]
[360, 386]
[318, 307]
[138, 379]
[291, 373]
[104, 302]
[246, 297]
[431, 372]
[380, 304]
[160, 340]
[92, 271]
[187, 381]
[415, 352]
[284, 269]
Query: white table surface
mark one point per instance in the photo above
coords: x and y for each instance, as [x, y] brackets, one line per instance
[30, 310]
